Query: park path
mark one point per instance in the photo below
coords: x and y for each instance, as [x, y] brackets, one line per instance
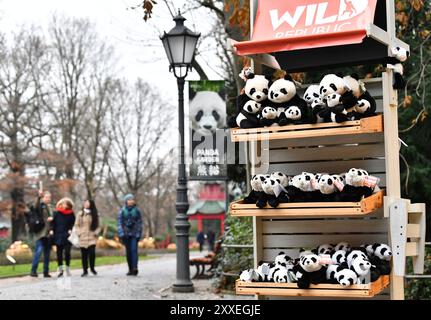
[154, 281]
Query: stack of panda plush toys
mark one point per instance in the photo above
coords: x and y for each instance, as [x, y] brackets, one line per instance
[267, 103]
[334, 264]
[275, 188]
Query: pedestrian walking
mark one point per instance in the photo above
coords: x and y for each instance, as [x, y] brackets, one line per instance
[211, 240]
[130, 231]
[200, 238]
[87, 228]
[41, 214]
[63, 222]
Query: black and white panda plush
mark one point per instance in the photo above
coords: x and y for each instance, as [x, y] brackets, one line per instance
[325, 249]
[207, 112]
[339, 257]
[399, 55]
[347, 87]
[248, 117]
[335, 111]
[255, 89]
[282, 260]
[354, 254]
[381, 257]
[265, 271]
[268, 117]
[362, 267]
[327, 186]
[303, 188]
[355, 187]
[249, 275]
[345, 276]
[314, 102]
[269, 187]
[345, 246]
[256, 189]
[309, 271]
[281, 275]
[284, 180]
[291, 109]
[331, 271]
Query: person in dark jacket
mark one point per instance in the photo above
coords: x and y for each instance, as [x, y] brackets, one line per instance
[211, 240]
[43, 240]
[130, 231]
[63, 222]
[200, 238]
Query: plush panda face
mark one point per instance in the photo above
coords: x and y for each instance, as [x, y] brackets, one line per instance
[252, 107]
[400, 54]
[355, 254]
[325, 249]
[282, 90]
[369, 249]
[269, 113]
[346, 277]
[312, 94]
[339, 257]
[304, 181]
[256, 182]
[362, 106]
[207, 112]
[281, 276]
[382, 251]
[355, 177]
[269, 184]
[256, 87]
[330, 84]
[293, 113]
[310, 263]
[326, 184]
[303, 252]
[284, 180]
[249, 275]
[339, 177]
[361, 266]
[345, 246]
[333, 100]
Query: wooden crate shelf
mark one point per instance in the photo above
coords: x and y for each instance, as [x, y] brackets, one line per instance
[310, 209]
[363, 126]
[318, 290]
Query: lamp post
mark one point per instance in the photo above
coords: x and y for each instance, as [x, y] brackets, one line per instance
[180, 45]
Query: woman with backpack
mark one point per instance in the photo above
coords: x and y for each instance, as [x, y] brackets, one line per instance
[87, 228]
[129, 231]
[62, 225]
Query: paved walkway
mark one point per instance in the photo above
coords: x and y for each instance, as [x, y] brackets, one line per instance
[153, 282]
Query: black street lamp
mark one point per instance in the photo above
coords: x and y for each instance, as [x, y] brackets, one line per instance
[180, 45]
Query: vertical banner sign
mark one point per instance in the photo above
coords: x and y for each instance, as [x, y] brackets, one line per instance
[207, 130]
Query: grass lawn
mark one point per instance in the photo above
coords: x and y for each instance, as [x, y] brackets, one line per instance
[24, 269]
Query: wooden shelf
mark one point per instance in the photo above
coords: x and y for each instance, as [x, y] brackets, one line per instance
[310, 209]
[366, 125]
[318, 290]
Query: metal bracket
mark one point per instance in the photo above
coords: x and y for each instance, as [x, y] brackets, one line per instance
[398, 235]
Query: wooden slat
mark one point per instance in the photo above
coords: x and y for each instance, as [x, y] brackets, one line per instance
[240, 205]
[293, 168]
[413, 230]
[342, 152]
[324, 226]
[324, 141]
[293, 241]
[411, 249]
[321, 212]
[366, 125]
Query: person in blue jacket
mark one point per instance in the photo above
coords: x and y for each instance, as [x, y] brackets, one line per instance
[130, 231]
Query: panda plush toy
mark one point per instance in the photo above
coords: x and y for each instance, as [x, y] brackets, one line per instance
[249, 275]
[335, 111]
[399, 55]
[327, 186]
[248, 117]
[303, 188]
[255, 89]
[273, 199]
[380, 255]
[256, 189]
[345, 276]
[314, 102]
[347, 87]
[355, 187]
[291, 109]
[309, 271]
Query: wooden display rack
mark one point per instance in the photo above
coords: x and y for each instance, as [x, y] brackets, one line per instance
[371, 144]
[310, 209]
[366, 125]
[316, 290]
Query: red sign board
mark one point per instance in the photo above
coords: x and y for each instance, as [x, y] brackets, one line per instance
[303, 24]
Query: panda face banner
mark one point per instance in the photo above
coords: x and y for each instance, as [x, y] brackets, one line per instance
[207, 115]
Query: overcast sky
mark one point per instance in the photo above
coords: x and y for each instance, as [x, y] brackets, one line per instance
[123, 28]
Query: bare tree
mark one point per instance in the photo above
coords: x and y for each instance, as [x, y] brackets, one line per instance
[20, 62]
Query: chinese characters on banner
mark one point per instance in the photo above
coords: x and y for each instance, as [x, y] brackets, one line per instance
[207, 123]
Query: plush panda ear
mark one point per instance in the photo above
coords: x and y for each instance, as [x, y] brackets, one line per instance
[260, 263]
[250, 76]
[314, 251]
[339, 74]
[288, 77]
[355, 76]
[280, 253]
[268, 77]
